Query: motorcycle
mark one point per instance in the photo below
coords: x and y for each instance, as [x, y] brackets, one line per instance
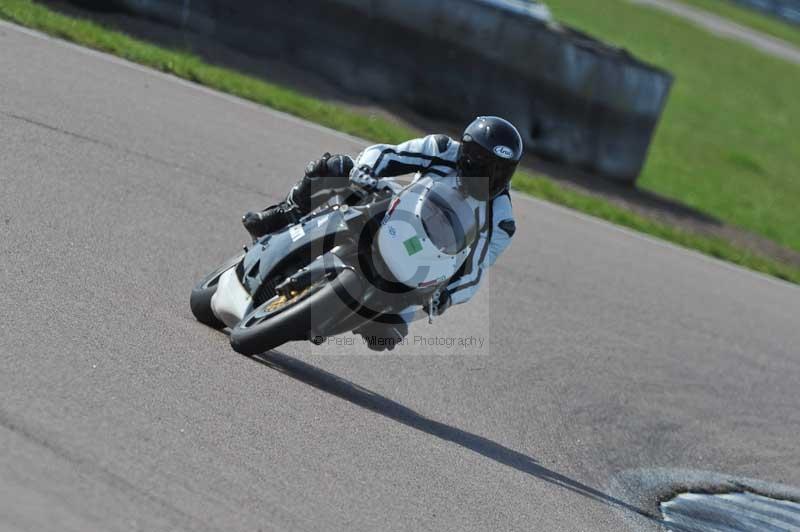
[360, 256]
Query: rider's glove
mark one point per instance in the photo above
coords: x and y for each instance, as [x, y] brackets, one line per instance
[362, 176]
[318, 168]
[382, 336]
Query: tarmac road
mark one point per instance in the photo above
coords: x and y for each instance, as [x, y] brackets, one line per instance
[606, 354]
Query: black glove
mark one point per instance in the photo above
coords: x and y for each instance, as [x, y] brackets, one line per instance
[330, 166]
[382, 336]
[318, 168]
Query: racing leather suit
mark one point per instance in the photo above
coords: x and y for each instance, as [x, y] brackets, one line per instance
[436, 155]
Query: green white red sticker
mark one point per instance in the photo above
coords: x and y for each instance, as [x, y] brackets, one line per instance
[413, 245]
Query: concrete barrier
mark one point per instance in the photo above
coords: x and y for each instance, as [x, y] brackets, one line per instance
[574, 99]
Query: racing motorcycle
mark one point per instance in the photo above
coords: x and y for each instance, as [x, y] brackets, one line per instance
[360, 256]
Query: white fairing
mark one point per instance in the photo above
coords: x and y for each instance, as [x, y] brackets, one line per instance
[231, 301]
[405, 247]
[438, 154]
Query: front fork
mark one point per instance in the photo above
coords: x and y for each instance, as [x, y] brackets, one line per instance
[323, 266]
[433, 305]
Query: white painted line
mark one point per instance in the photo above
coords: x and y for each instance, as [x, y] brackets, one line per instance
[361, 142]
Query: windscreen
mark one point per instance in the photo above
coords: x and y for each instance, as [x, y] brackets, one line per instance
[448, 219]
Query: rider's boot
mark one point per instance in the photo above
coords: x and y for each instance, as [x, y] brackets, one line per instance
[325, 173]
[297, 204]
[271, 219]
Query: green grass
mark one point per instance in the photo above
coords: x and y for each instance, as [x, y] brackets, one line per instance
[728, 141]
[748, 17]
[186, 66]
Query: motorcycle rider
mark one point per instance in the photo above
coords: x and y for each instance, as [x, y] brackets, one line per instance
[480, 165]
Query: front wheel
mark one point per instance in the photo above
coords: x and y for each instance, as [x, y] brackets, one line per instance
[317, 310]
[200, 300]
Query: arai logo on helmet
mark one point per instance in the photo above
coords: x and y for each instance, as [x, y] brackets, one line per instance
[503, 151]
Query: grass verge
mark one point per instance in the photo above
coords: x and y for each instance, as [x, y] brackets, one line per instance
[187, 66]
[727, 142]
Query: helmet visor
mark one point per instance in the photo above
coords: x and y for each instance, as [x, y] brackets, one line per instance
[483, 174]
[500, 177]
[474, 160]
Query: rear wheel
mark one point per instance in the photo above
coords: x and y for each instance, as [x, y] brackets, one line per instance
[200, 300]
[303, 315]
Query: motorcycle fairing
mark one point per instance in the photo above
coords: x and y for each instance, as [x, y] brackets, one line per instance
[314, 234]
[409, 248]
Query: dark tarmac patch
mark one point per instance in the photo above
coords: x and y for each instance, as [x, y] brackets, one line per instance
[730, 512]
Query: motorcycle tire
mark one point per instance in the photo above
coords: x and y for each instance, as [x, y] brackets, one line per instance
[200, 300]
[278, 321]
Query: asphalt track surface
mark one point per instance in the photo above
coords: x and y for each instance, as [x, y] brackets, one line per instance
[607, 354]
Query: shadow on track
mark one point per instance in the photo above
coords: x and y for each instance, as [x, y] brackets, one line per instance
[379, 404]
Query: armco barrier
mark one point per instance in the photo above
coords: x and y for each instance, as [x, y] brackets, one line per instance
[574, 99]
[788, 10]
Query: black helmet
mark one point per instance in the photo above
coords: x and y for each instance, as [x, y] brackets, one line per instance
[490, 148]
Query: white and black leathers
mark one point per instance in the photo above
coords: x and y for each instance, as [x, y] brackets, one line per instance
[436, 155]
